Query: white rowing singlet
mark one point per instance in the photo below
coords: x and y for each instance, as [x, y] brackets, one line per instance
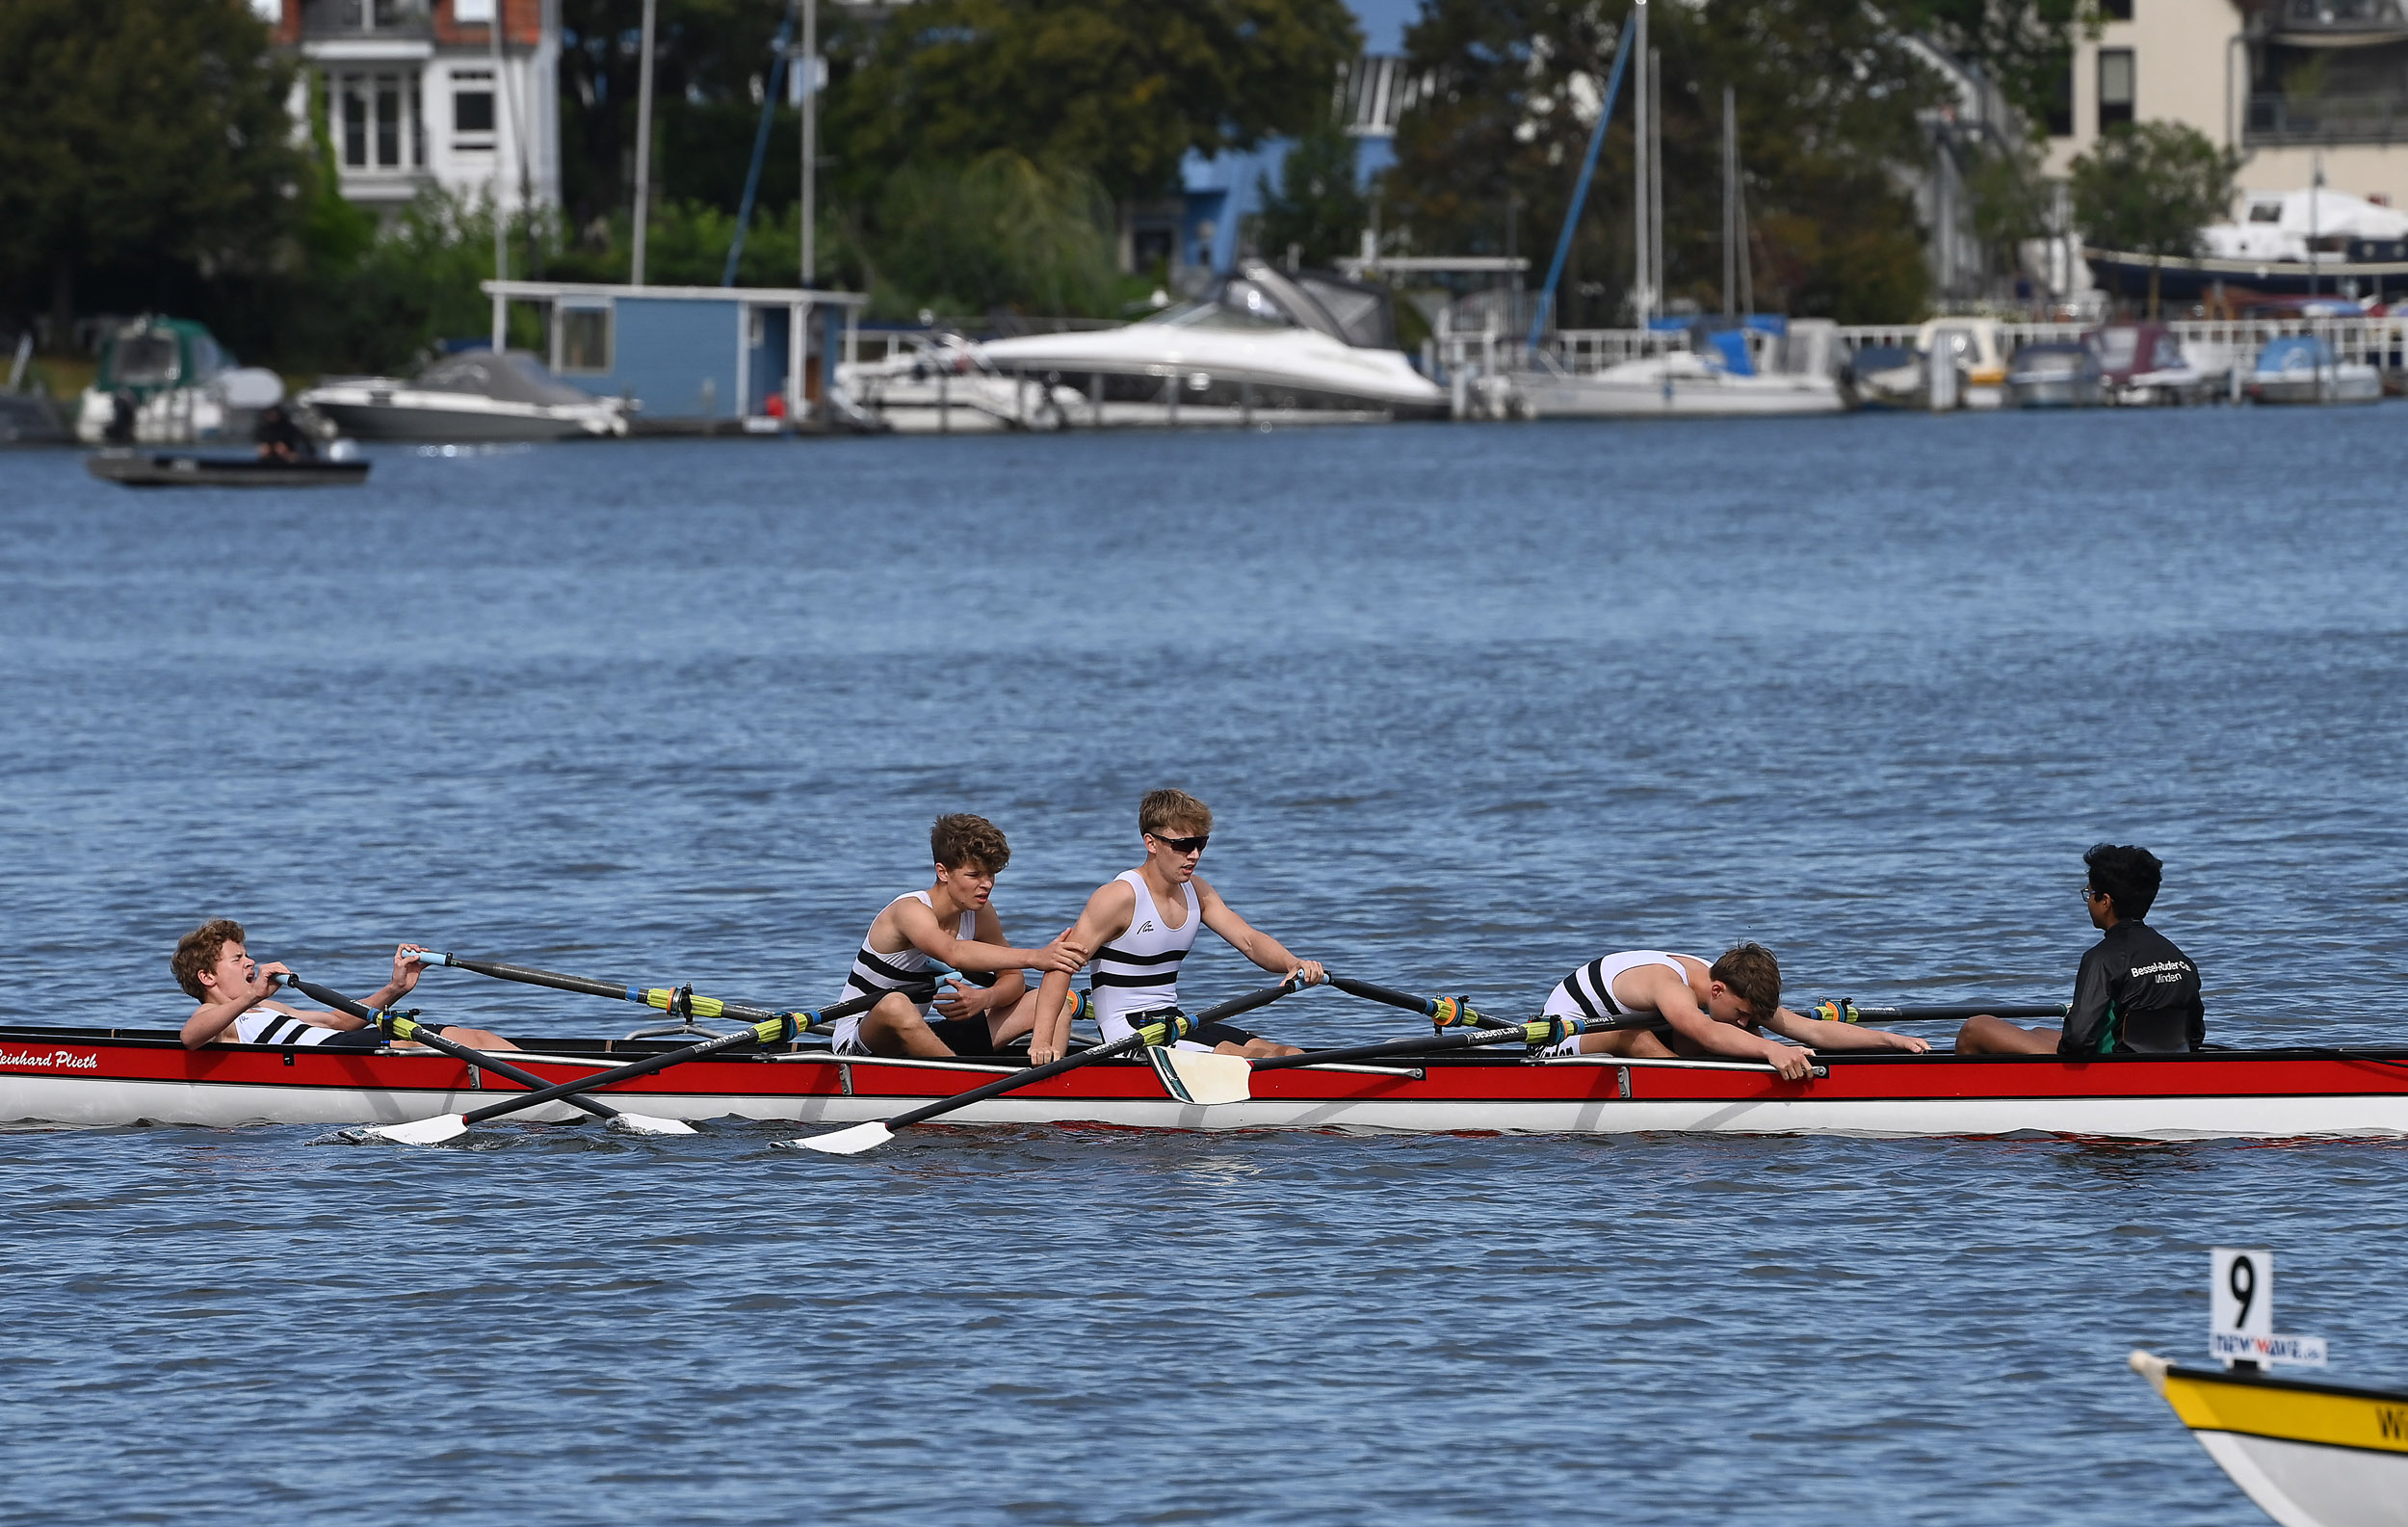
[1138, 971]
[906, 968]
[1588, 992]
[265, 1025]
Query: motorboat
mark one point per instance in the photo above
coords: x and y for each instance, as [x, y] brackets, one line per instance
[1971, 352]
[2055, 375]
[475, 395]
[2285, 241]
[1764, 366]
[2144, 364]
[138, 468]
[1261, 346]
[27, 415]
[2303, 368]
[1885, 377]
[168, 382]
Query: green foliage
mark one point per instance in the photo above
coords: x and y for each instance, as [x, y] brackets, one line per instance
[1827, 97]
[2025, 45]
[2010, 199]
[141, 133]
[1123, 88]
[2150, 188]
[998, 233]
[1317, 207]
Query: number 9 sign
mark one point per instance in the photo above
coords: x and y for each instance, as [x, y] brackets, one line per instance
[2241, 1292]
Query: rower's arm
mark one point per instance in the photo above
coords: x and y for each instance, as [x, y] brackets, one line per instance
[2086, 1022]
[1105, 918]
[1821, 1034]
[1007, 986]
[1252, 941]
[934, 939]
[1662, 988]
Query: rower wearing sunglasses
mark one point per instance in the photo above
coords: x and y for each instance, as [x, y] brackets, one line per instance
[2135, 993]
[1141, 924]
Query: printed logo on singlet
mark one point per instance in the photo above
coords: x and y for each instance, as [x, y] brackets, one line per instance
[1148, 926]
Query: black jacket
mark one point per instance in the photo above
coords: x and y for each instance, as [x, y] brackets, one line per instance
[2135, 994]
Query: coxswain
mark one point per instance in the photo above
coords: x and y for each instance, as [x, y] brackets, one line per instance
[1703, 1010]
[2135, 993]
[1141, 924]
[953, 923]
[234, 993]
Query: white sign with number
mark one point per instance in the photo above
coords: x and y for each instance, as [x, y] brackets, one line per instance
[2240, 1321]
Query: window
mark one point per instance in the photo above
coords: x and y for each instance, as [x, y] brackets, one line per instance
[2116, 10]
[2059, 110]
[584, 340]
[376, 121]
[472, 108]
[471, 13]
[2115, 87]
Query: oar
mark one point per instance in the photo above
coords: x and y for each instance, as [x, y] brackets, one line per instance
[1538, 1030]
[1443, 1011]
[859, 1137]
[1844, 1011]
[768, 1029]
[679, 1000]
[403, 1028]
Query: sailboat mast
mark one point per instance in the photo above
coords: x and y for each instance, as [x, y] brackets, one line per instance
[1730, 199]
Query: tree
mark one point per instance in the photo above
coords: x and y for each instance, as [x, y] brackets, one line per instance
[2025, 46]
[1827, 96]
[2149, 189]
[1318, 209]
[136, 135]
[1122, 88]
[2010, 199]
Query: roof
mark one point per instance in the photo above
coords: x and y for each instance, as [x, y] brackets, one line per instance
[765, 296]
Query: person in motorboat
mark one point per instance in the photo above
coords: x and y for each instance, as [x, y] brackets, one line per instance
[1142, 923]
[953, 923]
[280, 437]
[1705, 1012]
[236, 997]
[2135, 993]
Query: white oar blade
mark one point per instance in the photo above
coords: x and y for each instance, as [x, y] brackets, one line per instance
[646, 1124]
[847, 1141]
[1205, 1077]
[419, 1131]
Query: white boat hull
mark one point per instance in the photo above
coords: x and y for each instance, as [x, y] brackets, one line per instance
[405, 413]
[2309, 1485]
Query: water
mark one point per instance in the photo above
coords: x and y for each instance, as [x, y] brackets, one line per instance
[1472, 705]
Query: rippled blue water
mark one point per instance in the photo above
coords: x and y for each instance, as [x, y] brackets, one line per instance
[1471, 704]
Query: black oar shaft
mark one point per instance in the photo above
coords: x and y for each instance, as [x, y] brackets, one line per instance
[1426, 1007]
[1071, 1062]
[420, 1034]
[653, 997]
[1535, 1033]
[1856, 1013]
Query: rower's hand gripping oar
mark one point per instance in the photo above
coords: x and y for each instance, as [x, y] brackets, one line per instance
[1536, 1032]
[401, 1027]
[859, 1137]
[765, 1028]
[1845, 1010]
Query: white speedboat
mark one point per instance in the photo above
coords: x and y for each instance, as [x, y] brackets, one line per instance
[1788, 372]
[168, 382]
[1264, 347]
[473, 396]
[2302, 368]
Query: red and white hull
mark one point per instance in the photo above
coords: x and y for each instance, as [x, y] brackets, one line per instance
[102, 1077]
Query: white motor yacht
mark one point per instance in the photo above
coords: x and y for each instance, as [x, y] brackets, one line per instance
[473, 396]
[1793, 369]
[2302, 368]
[1262, 347]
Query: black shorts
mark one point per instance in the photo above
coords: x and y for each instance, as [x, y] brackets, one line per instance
[963, 1036]
[1218, 1034]
[368, 1039]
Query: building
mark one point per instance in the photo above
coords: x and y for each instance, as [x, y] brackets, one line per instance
[420, 94]
[2293, 85]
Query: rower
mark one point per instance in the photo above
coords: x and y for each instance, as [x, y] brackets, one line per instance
[2135, 993]
[232, 988]
[1704, 1010]
[1141, 924]
[952, 923]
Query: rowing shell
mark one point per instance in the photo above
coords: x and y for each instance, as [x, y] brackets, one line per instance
[2311, 1455]
[122, 1076]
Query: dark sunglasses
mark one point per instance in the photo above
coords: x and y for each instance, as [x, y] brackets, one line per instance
[1193, 844]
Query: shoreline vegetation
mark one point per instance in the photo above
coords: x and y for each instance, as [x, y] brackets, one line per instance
[983, 156]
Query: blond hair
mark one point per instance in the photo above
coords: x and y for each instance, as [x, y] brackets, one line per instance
[1163, 809]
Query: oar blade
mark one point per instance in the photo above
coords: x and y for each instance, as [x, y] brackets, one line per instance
[647, 1124]
[845, 1142]
[1197, 1076]
[417, 1131]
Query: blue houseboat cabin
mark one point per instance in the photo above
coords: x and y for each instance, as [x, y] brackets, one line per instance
[692, 355]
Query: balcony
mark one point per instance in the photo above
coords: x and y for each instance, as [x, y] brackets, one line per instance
[2334, 23]
[2279, 121]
